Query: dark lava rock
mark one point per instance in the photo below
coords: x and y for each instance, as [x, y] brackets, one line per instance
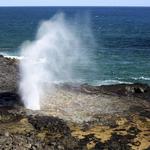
[144, 112]
[6, 116]
[88, 138]
[117, 142]
[133, 130]
[51, 124]
[10, 99]
[136, 89]
[1, 56]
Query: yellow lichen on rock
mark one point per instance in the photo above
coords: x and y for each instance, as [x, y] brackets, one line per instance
[144, 136]
[41, 135]
[136, 128]
[103, 133]
[19, 127]
[91, 145]
[121, 121]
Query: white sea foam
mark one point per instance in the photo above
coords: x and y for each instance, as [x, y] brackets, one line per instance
[13, 57]
[109, 82]
[141, 78]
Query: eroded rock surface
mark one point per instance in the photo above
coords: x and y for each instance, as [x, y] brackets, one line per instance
[9, 74]
[74, 117]
[22, 131]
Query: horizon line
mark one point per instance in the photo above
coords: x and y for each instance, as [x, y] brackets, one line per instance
[69, 6]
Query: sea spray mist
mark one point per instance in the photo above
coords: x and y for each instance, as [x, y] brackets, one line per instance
[49, 58]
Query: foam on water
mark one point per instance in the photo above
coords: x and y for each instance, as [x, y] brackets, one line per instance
[13, 57]
[109, 82]
[141, 78]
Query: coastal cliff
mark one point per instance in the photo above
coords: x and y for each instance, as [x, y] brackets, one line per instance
[74, 117]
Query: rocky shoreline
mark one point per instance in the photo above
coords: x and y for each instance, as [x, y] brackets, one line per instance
[113, 117]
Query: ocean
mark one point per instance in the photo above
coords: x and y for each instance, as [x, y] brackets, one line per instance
[117, 41]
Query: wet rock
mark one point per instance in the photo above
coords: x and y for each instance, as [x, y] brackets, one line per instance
[136, 89]
[127, 89]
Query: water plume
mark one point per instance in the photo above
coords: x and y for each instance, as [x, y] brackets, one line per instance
[49, 58]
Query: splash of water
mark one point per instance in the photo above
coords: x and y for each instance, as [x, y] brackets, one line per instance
[49, 58]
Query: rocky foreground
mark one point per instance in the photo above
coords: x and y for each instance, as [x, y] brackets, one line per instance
[74, 117]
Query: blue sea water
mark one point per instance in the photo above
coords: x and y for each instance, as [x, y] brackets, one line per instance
[119, 52]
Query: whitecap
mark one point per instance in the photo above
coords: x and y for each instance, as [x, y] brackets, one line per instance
[141, 78]
[110, 82]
